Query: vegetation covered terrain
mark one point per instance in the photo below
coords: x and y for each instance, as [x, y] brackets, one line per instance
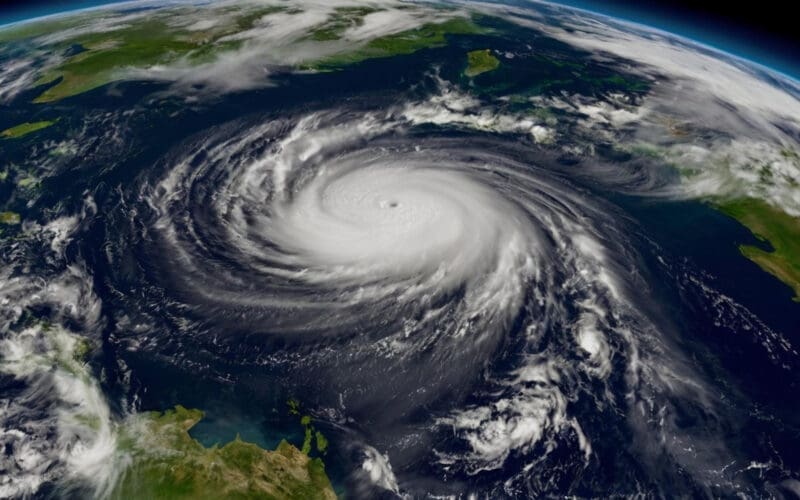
[89, 58]
[24, 129]
[776, 227]
[480, 61]
[166, 462]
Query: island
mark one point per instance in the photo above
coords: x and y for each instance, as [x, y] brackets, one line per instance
[479, 62]
[24, 129]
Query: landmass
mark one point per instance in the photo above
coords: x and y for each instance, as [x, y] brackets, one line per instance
[154, 452]
[776, 227]
[427, 36]
[166, 462]
[103, 56]
[121, 46]
[10, 218]
[480, 61]
[24, 129]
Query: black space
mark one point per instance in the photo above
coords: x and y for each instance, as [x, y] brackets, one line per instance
[772, 22]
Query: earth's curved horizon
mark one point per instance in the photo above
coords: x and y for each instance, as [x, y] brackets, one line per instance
[260, 249]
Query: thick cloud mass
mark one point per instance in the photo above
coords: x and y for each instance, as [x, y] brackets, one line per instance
[398, 257]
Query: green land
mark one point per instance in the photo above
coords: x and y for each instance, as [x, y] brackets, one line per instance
[310, 434]
[427, 36]
[96, 58]
[10, 218]
[141, 44]
[167, 463]
[779, 229]
[29, 30]
[24, 129]
[149, 41]
[480, 61]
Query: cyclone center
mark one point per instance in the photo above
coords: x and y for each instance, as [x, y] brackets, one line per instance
[389, 204]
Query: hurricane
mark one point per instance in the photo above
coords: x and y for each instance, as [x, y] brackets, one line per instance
[374, 262]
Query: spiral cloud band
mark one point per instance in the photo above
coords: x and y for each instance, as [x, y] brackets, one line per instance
[408, 256]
